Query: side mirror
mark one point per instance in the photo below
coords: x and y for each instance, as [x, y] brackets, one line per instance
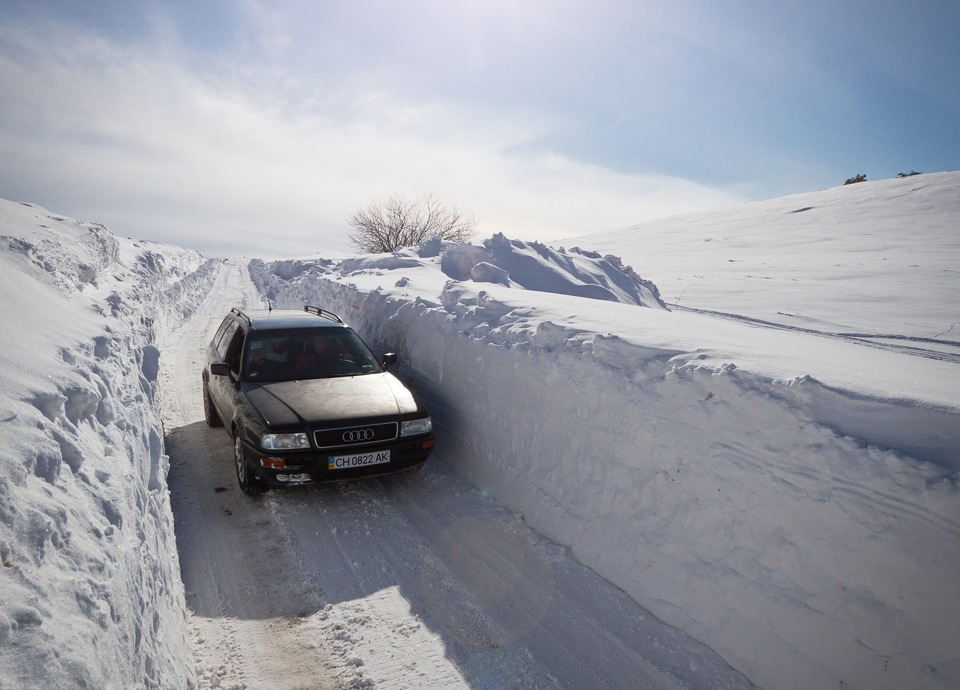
[220, 369]
[389, 358]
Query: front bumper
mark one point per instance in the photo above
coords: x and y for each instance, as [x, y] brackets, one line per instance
[313, 467]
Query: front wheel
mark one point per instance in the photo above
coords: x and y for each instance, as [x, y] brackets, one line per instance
[250, 484]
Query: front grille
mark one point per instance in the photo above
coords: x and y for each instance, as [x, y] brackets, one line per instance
[363, 435]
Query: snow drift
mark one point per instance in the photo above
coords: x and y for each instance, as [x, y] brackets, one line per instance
[92, 596]
[788, 497]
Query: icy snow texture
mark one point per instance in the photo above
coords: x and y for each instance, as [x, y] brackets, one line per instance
[749, 485]
[91, 590]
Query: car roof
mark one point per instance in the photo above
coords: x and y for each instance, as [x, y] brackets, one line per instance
[274, 319]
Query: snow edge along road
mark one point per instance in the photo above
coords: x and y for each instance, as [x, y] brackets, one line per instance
[687, 484]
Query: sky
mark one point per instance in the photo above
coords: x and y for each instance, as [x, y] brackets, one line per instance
[257, 128]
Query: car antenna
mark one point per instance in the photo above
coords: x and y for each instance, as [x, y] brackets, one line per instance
[269, 307]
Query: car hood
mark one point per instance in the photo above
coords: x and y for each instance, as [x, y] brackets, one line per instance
[315, 402]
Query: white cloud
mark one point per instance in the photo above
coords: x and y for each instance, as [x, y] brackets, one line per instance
[249, 163]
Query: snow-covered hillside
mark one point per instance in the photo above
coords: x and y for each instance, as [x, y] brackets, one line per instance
[91, 595]
[874, 257]
[754, 432]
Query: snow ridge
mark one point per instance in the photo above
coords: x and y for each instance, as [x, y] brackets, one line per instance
[718, 497]
[91, 582]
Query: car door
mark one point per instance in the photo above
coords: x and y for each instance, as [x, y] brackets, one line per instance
[225, 389]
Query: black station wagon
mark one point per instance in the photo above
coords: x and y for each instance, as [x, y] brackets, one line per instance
[306, 401]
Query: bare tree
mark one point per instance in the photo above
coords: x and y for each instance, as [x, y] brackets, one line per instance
[389, 224]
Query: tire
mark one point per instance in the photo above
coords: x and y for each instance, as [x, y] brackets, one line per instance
[250, 484]
[209, 411]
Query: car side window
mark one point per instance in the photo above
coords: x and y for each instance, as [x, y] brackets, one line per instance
[226, 338]
[219, 334]
[234, 350]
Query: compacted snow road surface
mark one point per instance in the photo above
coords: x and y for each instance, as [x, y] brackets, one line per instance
[419, 581]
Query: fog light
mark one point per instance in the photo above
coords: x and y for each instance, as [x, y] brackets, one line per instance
[273, 463]
[426, 445]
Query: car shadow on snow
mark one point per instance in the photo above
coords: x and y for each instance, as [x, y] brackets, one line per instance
[506, 603]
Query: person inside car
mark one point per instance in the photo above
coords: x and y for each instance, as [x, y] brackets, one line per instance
[307, 360]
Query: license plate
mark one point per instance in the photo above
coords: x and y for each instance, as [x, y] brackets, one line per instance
[345, 462]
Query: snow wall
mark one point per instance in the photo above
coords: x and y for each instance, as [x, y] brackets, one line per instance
[806, 557]
[91, 593]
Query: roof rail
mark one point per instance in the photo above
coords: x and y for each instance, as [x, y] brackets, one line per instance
[322, 312]
[239, 312]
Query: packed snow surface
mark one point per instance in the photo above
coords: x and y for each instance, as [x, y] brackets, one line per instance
[753, 431]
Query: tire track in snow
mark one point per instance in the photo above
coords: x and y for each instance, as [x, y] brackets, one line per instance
[874, 340]
[246, 626]
[483, 591]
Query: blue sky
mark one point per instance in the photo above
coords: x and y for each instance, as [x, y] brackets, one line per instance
[256, 128]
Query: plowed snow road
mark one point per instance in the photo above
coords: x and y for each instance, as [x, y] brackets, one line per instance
[410, 582]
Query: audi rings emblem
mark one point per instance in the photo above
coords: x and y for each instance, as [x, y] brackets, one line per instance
[357, 435]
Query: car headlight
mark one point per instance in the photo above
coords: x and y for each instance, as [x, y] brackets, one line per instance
[414, 427]
[284, 441]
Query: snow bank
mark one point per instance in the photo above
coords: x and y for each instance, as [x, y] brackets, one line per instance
[705, 467]
[91, 590]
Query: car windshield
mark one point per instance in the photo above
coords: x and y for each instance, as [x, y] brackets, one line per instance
[298, 354]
